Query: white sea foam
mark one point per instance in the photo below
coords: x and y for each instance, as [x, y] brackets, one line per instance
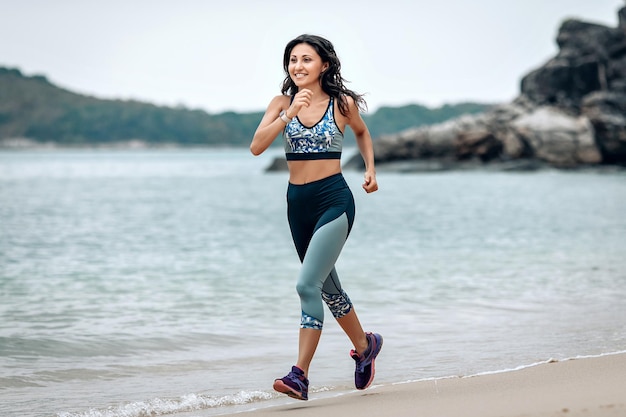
[159, 406]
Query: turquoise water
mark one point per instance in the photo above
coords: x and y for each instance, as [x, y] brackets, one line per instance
[137, 283]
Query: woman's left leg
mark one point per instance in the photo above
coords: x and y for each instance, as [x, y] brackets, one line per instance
[342, 309]
[366, 345]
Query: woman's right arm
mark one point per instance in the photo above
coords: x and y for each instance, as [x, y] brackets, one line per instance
[270, 126]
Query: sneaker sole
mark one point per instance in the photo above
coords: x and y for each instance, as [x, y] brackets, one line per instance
[281, 387]
[376, 352]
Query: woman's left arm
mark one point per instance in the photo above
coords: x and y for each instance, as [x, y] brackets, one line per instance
[364, 142]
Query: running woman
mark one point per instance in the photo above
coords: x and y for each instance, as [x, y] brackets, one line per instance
[312, 113]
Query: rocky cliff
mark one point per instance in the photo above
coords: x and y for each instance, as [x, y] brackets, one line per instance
[570, 112]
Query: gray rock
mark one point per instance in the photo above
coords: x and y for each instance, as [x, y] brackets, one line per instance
[557, 137]
[589, 59]
[279, 163]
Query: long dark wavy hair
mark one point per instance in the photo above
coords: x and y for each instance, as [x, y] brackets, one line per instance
[331, 79]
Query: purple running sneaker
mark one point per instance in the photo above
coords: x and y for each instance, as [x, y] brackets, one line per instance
[294, 384]
[364, 373]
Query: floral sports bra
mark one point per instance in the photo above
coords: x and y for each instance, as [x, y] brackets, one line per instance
[323, 140]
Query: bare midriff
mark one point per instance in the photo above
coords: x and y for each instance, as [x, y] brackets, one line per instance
[304, 172]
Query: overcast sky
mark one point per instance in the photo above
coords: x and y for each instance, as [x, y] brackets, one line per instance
[227, 54]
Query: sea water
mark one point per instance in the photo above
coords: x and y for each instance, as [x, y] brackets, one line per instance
[156, 282]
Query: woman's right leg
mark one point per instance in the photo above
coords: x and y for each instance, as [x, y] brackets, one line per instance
[308, 340]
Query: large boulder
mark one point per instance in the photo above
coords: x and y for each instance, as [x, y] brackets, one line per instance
[558, 138]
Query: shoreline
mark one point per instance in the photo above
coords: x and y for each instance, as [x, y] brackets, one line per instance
[277, 163]
[582, 386]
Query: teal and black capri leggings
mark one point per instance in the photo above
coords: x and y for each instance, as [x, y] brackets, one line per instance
[321, 214]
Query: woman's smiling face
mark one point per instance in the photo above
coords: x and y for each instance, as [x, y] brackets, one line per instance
[305, 65]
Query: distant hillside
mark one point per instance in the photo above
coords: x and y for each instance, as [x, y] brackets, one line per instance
[34, 108]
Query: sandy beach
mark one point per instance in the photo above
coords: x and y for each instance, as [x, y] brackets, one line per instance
[589, 387]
